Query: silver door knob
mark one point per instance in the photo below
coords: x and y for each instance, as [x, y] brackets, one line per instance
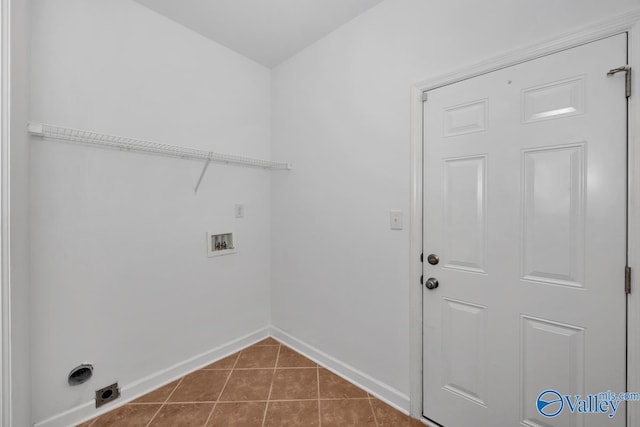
[431, 283]
[433, 259]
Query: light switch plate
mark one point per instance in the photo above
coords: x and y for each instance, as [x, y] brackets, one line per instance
[239, 211]
[396, 220]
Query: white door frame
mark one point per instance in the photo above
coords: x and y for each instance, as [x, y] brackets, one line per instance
[629, 22]
[5, 288]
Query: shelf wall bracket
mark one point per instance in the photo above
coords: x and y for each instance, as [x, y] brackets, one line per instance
[204, 170]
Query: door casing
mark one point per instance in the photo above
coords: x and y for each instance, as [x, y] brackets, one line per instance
[630, 23]
[5, 285]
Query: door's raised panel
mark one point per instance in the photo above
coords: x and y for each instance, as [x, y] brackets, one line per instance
[465, 118]
[553, 215]
[465, 213]
[554, 100]
[552, 357]
[464, 330]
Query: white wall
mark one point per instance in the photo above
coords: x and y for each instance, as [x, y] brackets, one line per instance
[340, 113]
[19, 215]
[120, 275]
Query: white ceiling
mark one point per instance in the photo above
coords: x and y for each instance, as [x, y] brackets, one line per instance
[267, 31]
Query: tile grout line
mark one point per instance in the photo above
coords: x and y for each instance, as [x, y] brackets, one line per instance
[375, 419]
[253, 369]
[222, 389]
[195, 402]
[165, 402]
[273, 378]
[318, 381]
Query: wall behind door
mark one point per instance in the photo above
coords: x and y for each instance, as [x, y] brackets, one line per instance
[341, 115]
[120, 276]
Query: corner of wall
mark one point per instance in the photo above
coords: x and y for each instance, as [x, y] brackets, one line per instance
[19, 212]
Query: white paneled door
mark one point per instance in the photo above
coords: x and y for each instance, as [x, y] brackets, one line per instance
[525, 213]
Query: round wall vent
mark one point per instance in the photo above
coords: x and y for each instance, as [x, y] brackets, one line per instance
[80, 374]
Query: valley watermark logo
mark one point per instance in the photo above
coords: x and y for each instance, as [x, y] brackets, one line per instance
[550, 403]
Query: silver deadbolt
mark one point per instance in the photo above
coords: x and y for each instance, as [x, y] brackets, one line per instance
[433, 259]
[431, 283]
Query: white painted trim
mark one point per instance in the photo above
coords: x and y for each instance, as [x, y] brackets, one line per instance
[132, 391]
[575, 38]
[415, 249]
[633, 255]
[384, 392]
[5, 288]
[628, 22]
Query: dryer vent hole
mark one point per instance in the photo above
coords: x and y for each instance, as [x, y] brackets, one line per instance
[80, 374]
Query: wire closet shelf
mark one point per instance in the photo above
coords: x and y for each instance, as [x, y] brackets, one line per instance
[142, 146]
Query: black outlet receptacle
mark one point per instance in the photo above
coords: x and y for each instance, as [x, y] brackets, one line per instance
[107, 394]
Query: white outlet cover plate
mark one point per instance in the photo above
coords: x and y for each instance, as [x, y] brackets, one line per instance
[396, 220]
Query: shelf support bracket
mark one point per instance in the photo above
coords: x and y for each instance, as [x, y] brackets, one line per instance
[204, 170]
[35, 129]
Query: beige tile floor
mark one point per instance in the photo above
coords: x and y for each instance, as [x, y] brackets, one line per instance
[267, 384]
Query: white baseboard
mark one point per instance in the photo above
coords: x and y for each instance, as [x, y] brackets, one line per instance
[133, 390]
[382, 391]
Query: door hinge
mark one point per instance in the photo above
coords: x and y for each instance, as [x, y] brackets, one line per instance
[422, 279]
[424, 96]
[627, 70]
[421, 257]
[627, 280]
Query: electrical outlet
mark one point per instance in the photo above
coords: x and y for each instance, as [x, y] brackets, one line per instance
[239, 211]
[107, 394]
[396, 220]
